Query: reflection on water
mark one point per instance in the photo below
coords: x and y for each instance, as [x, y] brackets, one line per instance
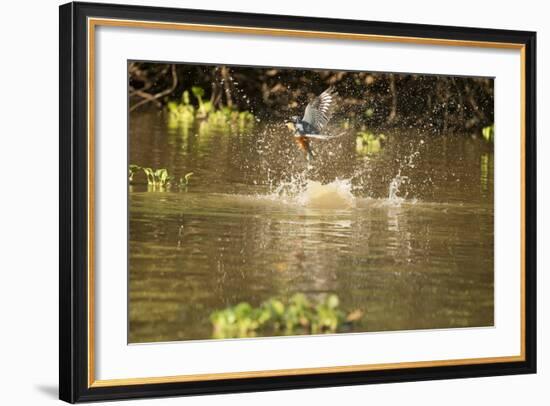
[405, 235]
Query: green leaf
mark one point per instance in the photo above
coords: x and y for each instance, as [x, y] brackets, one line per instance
[185, 97]
[198, 92]
[172, 107]
[187, 177]
[132, 169]
[488, 133]
[332, 302]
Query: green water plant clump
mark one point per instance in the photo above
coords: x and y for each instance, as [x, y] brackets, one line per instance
[184, 182]
[298, 315]
[367, 142]
[488, 133]
[185, 114]
[157, 178]
[132, 170]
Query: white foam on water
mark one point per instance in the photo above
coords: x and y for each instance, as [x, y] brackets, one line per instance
[313, 194]
[334, 195]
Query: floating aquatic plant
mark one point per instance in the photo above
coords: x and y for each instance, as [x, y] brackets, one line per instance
[184, 182]
[368, 142]
[184, 114]
[157, 177]
[298, 315]
[204, 107]
[132, 169]
[488, 133]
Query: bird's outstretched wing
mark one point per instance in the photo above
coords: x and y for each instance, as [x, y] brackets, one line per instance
[323, 136]
[320, 109]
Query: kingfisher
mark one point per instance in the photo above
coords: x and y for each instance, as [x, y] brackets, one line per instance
[316, 116]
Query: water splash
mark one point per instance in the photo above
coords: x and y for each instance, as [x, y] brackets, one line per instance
[401, 180]
[337, 194]
[300, 190]
[395, 184]
[289, 182]
[334, 195]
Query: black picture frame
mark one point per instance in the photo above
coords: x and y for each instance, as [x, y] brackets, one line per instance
[73, 203]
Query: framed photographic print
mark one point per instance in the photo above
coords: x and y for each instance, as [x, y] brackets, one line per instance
[257, 202]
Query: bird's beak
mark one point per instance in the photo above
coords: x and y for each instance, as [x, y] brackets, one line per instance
[290, 125]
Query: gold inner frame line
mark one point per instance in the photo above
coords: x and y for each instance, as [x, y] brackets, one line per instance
[94, 22]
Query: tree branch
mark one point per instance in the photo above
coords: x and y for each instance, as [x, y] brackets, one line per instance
[154, 98]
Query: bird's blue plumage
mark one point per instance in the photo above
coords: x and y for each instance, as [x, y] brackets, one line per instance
[316, 117]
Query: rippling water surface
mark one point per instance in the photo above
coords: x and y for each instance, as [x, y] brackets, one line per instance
[406, 235]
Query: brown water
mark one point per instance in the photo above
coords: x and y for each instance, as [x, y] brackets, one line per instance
[255, 223]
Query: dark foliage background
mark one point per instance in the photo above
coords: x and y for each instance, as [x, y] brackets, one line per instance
[377, 100]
